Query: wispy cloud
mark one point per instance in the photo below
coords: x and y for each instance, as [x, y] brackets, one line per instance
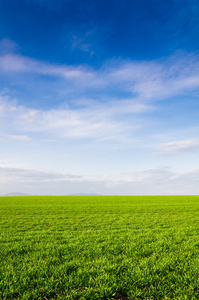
[144, 80]
[177, 147]
[18, 63]
[115, 90]
[159, 79]
[19, 122]
[84, 42]
[20, 138]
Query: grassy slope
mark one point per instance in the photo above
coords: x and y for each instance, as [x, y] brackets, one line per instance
[90, 247]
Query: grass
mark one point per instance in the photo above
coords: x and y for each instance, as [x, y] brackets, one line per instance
[99, 247]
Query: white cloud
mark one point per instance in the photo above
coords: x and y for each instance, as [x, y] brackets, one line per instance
[144, 80]
[120, 94]
[103, 117]
[88, 119]
[20, 138]
[19, 122]
[159, 79]
[18, 63]
[147, 182]
[177, 147]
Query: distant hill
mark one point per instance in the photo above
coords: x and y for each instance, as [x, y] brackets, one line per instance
[82, 194]
[17, 194]
[24, 194]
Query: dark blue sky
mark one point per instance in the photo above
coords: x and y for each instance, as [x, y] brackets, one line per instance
[90, 32]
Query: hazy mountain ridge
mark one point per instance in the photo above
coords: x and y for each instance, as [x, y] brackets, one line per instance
[17, 194]
[24, 194]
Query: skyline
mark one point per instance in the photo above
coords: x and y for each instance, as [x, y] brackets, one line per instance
[99, 97]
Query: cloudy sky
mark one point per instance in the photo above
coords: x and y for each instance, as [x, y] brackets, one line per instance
[99, 96]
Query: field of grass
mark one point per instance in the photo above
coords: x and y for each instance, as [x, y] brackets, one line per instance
[99, 247]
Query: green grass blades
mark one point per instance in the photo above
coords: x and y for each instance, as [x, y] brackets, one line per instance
[99, 247]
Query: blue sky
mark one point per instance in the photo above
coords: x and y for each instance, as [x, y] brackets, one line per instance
[99, 97]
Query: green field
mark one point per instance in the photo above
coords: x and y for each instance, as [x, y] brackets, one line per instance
[99, 247]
